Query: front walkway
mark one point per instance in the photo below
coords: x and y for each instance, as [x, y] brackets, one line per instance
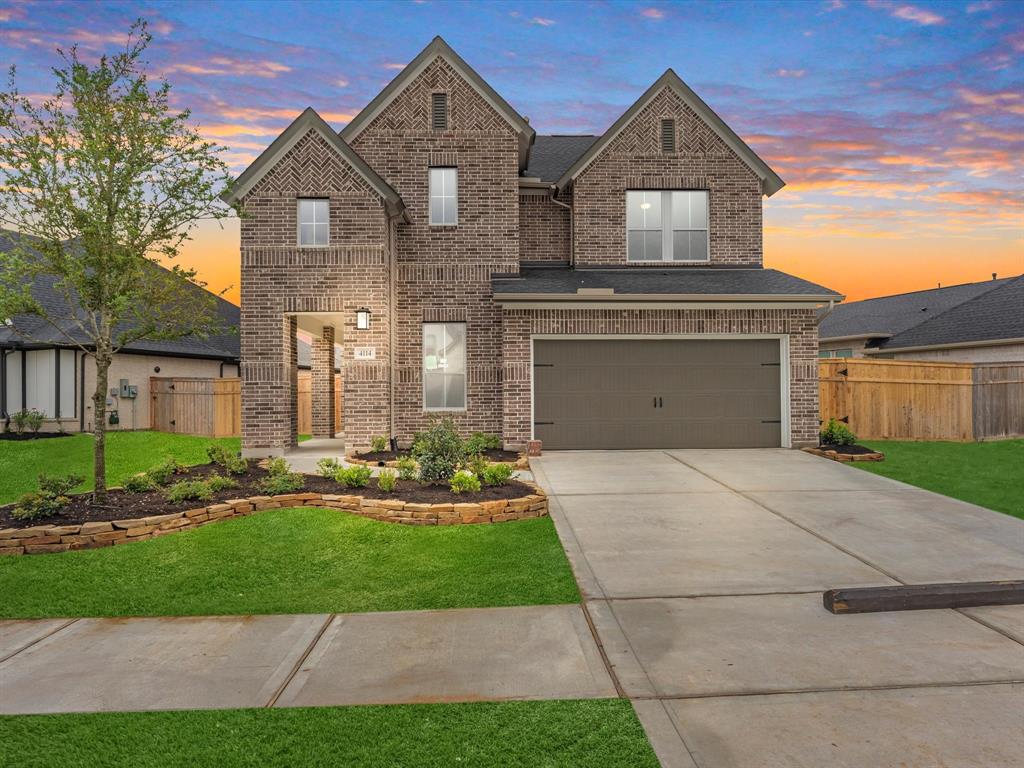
[91, 665]
[703, 571]
[305, 455]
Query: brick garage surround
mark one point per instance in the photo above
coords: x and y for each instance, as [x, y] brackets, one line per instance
[633, 160]
[279, 277]
[519, 325]
[443, 273]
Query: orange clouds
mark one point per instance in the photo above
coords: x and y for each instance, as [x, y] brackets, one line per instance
[222, 65]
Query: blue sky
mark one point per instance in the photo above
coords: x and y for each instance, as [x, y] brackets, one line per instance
[899, 127]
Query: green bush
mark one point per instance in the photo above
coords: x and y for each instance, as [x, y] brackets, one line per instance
[476, 463]
[29, 419]
[407, 468]
[481, 442]
[836, 433]
[58, 486]
[162, 473]
[463, 481]
[220, 483]
[378, 443]
[327, 467]
[356, 476]
[49, 500]
[386, 480]
[231, 461]
[188, 490]
[139, 483]
[497, 474]
[280, 479]
[439, 451]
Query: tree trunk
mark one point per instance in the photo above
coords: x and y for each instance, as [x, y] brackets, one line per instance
[99, 434]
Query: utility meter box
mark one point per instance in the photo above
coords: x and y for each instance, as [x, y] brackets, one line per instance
[128, 391]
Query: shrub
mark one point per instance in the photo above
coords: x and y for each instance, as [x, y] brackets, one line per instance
[463, 481]
[228, 460]
[836, 433]
[481, 442]
[162, 473]
[218, 483]
[33, 420]
[439, 450]
[497, 474]
[386, 480]
[327, 467]
[139, 483]
[378, 443]
[407, 468]
[49, 500]
[58, 486]
[476, 464]
[356, 476]
[187, 490]
[280, 478]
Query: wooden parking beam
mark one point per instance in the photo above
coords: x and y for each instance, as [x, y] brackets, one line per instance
[924, 596]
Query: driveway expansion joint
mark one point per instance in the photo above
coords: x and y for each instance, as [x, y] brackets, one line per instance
[39, 639]
[300, 661]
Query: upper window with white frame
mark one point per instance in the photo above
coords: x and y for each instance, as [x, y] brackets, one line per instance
[444, 197]
[314, 221]
[444, 366]
[667, 225]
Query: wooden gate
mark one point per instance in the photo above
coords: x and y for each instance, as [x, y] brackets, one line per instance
[196, 406]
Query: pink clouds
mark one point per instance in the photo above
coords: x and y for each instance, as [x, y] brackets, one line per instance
[223, 65]
[790, 72]
[908, 12]
[653, 13]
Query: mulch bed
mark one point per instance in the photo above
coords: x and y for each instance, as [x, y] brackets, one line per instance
[14, 436]
[847, 450]
[382, 457]
[126, 506]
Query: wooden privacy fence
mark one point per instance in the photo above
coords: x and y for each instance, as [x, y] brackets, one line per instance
[901, 399]
[213, 407]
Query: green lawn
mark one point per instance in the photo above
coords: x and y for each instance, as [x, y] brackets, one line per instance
[601, 733]
[988, 474]
[308, 560]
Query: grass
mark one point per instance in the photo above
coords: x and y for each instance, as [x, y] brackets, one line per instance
[307, 560]
[601, 733]
[989, 474]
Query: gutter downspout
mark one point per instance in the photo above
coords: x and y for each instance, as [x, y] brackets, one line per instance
[572, 235]
[829, 311]
[81, 397]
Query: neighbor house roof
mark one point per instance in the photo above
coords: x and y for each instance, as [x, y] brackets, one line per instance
[438, 47]
[771, 182]
[36, 332]
[303, 124]
[551, 156]
[957, 314]
[650, 284]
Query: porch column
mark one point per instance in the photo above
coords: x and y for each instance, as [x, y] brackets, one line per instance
[323, 383]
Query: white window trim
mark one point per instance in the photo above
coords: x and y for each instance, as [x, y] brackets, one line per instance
[465, 372]
[430, 196]
[666, 232]
[298, 222]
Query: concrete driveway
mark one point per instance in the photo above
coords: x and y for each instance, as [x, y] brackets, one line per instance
[703, 572]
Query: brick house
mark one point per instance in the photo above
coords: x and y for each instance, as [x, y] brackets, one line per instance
[590, 292]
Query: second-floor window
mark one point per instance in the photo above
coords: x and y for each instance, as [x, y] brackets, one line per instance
[667, 225]
[313, 221]
[444, 197]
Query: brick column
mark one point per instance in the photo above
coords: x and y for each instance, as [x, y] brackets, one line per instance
[269, 374]
[291, 347]
[323, 383]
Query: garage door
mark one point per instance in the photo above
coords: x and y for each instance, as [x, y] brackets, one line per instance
[657, 393]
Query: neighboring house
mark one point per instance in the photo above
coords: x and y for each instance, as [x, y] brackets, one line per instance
[45, 370]
[974, 322]
[589, 292]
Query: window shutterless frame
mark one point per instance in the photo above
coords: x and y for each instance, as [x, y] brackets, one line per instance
[443, 196]
[313, 222]
[444, 366]
[665, 225]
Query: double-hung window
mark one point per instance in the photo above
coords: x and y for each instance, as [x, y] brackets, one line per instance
[444, 197]
[667, 225]
[313, 221]
[444, 366]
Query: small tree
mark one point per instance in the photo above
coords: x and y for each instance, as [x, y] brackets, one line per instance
[102, 180]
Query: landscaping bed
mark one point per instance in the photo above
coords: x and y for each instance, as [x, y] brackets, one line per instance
[846, 452]
[24, 436]
[390, 458]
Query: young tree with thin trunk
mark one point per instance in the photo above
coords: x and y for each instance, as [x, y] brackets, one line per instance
[103, 180]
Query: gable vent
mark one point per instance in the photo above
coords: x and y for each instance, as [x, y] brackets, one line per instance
[668, 135]
[439, 111]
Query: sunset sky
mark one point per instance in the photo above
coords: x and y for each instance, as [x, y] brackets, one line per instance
[898, 127]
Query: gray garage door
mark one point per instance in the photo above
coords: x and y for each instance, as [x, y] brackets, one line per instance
[657, 393]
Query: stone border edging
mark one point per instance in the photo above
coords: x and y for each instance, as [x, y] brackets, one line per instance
[42, 539]
[837, 456]
[523, 462]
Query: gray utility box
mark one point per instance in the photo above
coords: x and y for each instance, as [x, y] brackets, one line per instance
[128, 391]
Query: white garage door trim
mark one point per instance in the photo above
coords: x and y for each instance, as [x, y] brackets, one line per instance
[784, 374]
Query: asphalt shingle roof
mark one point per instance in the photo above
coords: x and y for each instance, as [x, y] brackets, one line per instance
[897, 316]
[652, 281]
[551, 156]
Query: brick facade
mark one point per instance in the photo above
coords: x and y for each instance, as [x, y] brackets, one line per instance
[543, 229]
[322, 401]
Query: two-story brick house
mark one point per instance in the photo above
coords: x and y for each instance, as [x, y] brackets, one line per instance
[590, 292]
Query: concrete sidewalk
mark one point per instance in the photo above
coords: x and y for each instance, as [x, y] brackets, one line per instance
[702, 573]
[91, 665]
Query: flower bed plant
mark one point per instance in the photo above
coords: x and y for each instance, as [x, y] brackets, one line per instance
[837, 441]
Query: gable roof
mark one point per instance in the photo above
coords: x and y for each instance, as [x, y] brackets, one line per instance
[309, 120]
[39, 333]
[889, 316]
[997, 314]
[771, 182]
[438, 47]
[551, 156]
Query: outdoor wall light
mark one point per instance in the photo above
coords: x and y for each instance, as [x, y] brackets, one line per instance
[363, 319]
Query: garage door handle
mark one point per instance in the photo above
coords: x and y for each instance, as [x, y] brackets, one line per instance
[771, 421]
[661, 403]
